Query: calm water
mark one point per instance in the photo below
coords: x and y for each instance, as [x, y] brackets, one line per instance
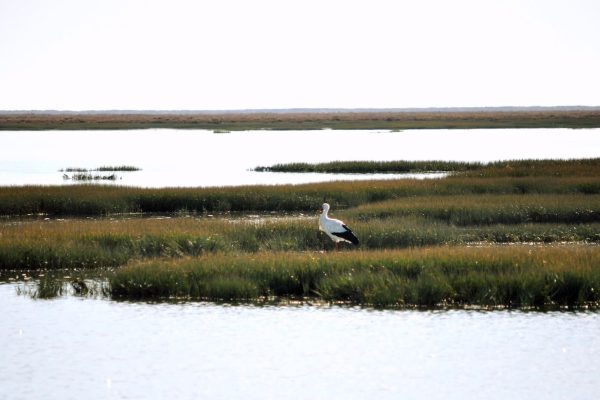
[203, 158]
[71, 348]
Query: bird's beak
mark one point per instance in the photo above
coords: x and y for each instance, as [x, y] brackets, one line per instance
[320, 211]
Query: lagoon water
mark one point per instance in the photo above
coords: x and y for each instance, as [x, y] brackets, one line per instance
[71, 348]
[170, 157]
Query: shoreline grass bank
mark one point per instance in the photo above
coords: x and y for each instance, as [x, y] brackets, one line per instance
[543, 277]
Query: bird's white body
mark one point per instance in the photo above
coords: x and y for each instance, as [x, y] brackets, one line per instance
[335, 229]
[329, 225]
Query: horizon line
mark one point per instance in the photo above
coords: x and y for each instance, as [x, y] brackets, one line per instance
[306, 109]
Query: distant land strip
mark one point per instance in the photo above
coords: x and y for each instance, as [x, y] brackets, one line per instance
[307, 119]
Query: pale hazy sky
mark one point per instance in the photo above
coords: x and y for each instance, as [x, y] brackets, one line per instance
[243, 54]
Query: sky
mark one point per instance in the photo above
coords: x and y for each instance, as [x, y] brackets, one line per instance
[277, 54]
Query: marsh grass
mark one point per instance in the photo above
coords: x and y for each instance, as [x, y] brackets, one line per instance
[85, 174]
[205, 246]
[501, 178]
[371, 167]
[242, 259]
[514, 168]
[73, 169]
[118, 168]
[90, 177]
[88, 243]
[526, 276]
[46, 288]
[488, 209]
[104, 168]
[103, 199]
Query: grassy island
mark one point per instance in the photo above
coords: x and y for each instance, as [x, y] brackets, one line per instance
[508, 234]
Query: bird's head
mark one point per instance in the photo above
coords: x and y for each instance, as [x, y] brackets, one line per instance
[324, 208]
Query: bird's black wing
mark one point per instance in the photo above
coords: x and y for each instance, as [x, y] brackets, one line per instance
[347, 234]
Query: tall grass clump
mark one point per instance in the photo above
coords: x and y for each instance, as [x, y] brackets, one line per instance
[542, 277]
[48, 288]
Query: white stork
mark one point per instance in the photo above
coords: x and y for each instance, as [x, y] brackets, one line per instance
[335, 229]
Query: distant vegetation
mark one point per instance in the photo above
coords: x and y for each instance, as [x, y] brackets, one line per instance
[372, 167]
[588, 167]
[122, 168]
[84, 174]
[577, 117]
[90, 177]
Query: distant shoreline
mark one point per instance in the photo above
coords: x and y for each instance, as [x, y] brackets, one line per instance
[307, 119]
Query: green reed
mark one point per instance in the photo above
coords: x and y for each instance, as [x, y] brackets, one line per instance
[487, 209]
[539, 277]
[57, 244]
[103, 200]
